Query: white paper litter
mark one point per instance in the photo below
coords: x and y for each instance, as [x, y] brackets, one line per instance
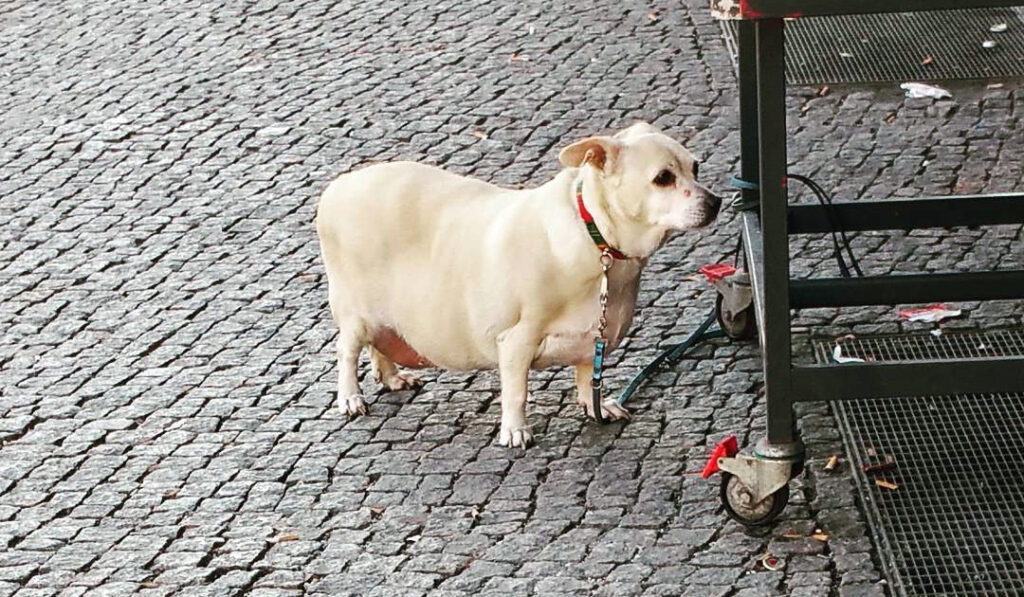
[988, 44]
[845, 55]
[998, 28]
[916, 90]
[936, 332]
[837, 356]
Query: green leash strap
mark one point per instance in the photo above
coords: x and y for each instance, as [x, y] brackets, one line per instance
[670, 357]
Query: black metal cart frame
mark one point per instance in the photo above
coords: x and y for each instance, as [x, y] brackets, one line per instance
[762, 91]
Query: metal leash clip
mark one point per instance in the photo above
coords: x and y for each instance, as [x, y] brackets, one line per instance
[601, 341]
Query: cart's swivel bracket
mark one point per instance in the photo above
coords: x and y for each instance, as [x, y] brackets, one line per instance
[760, 477]
[755, 489]
[736, 292]
[732, 284]
[734, 301]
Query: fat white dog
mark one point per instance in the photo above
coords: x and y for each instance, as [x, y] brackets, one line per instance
[428, 268]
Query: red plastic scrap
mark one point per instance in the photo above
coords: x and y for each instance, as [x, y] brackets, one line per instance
[747, 12]
[717, 271]
[727, 448]
[932, 313]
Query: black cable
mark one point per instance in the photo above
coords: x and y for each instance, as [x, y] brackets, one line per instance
[835, 225]
[826, 202]
[842, 231]
[834, 219]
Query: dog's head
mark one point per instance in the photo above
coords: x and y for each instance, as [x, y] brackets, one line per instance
[645, 184]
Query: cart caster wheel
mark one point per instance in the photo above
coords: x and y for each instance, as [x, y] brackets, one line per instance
[736, 500]
[738, 326]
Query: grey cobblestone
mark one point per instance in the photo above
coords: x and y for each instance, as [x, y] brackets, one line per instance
[166, 371]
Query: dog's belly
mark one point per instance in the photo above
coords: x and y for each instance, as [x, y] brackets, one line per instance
[564, 349]
[577, 348]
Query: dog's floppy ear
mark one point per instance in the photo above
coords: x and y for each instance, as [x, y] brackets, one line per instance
[602, 152]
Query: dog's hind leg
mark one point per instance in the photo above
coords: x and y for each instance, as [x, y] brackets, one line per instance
[351, 339]
[387, 374]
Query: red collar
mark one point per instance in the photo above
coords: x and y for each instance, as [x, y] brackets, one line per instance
[588, 219]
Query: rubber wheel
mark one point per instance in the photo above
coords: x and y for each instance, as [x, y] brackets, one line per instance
[738, 326]
[760, 514]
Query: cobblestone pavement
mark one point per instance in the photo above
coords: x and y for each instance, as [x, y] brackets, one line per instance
[166, 372]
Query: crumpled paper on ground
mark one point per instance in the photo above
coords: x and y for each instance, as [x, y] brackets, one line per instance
[837, 356]
[916, 90]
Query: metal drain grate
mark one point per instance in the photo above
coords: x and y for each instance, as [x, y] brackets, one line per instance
[955, 524]
[893, 47]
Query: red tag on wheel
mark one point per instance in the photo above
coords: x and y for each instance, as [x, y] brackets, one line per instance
[726, 448]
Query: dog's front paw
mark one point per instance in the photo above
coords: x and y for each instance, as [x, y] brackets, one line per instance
[515, 437]
[352, 406]
[610, 409]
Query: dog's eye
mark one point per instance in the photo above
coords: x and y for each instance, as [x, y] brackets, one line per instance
[696, 170]
[665, 178]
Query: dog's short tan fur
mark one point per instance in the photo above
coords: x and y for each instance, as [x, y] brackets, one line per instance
[427, 267]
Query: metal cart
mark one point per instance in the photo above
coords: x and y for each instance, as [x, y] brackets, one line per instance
[755, 488]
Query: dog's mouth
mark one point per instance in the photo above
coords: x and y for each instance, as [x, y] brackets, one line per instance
[695, 220]
[709, 219]
[710, 208]
[699, 217]
[706, 216]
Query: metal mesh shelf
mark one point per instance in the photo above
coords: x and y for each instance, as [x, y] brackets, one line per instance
[955, 524]
[896, 47]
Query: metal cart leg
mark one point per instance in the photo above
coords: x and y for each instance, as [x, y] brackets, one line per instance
[749, 147]
[771, 116]
[755, 489]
